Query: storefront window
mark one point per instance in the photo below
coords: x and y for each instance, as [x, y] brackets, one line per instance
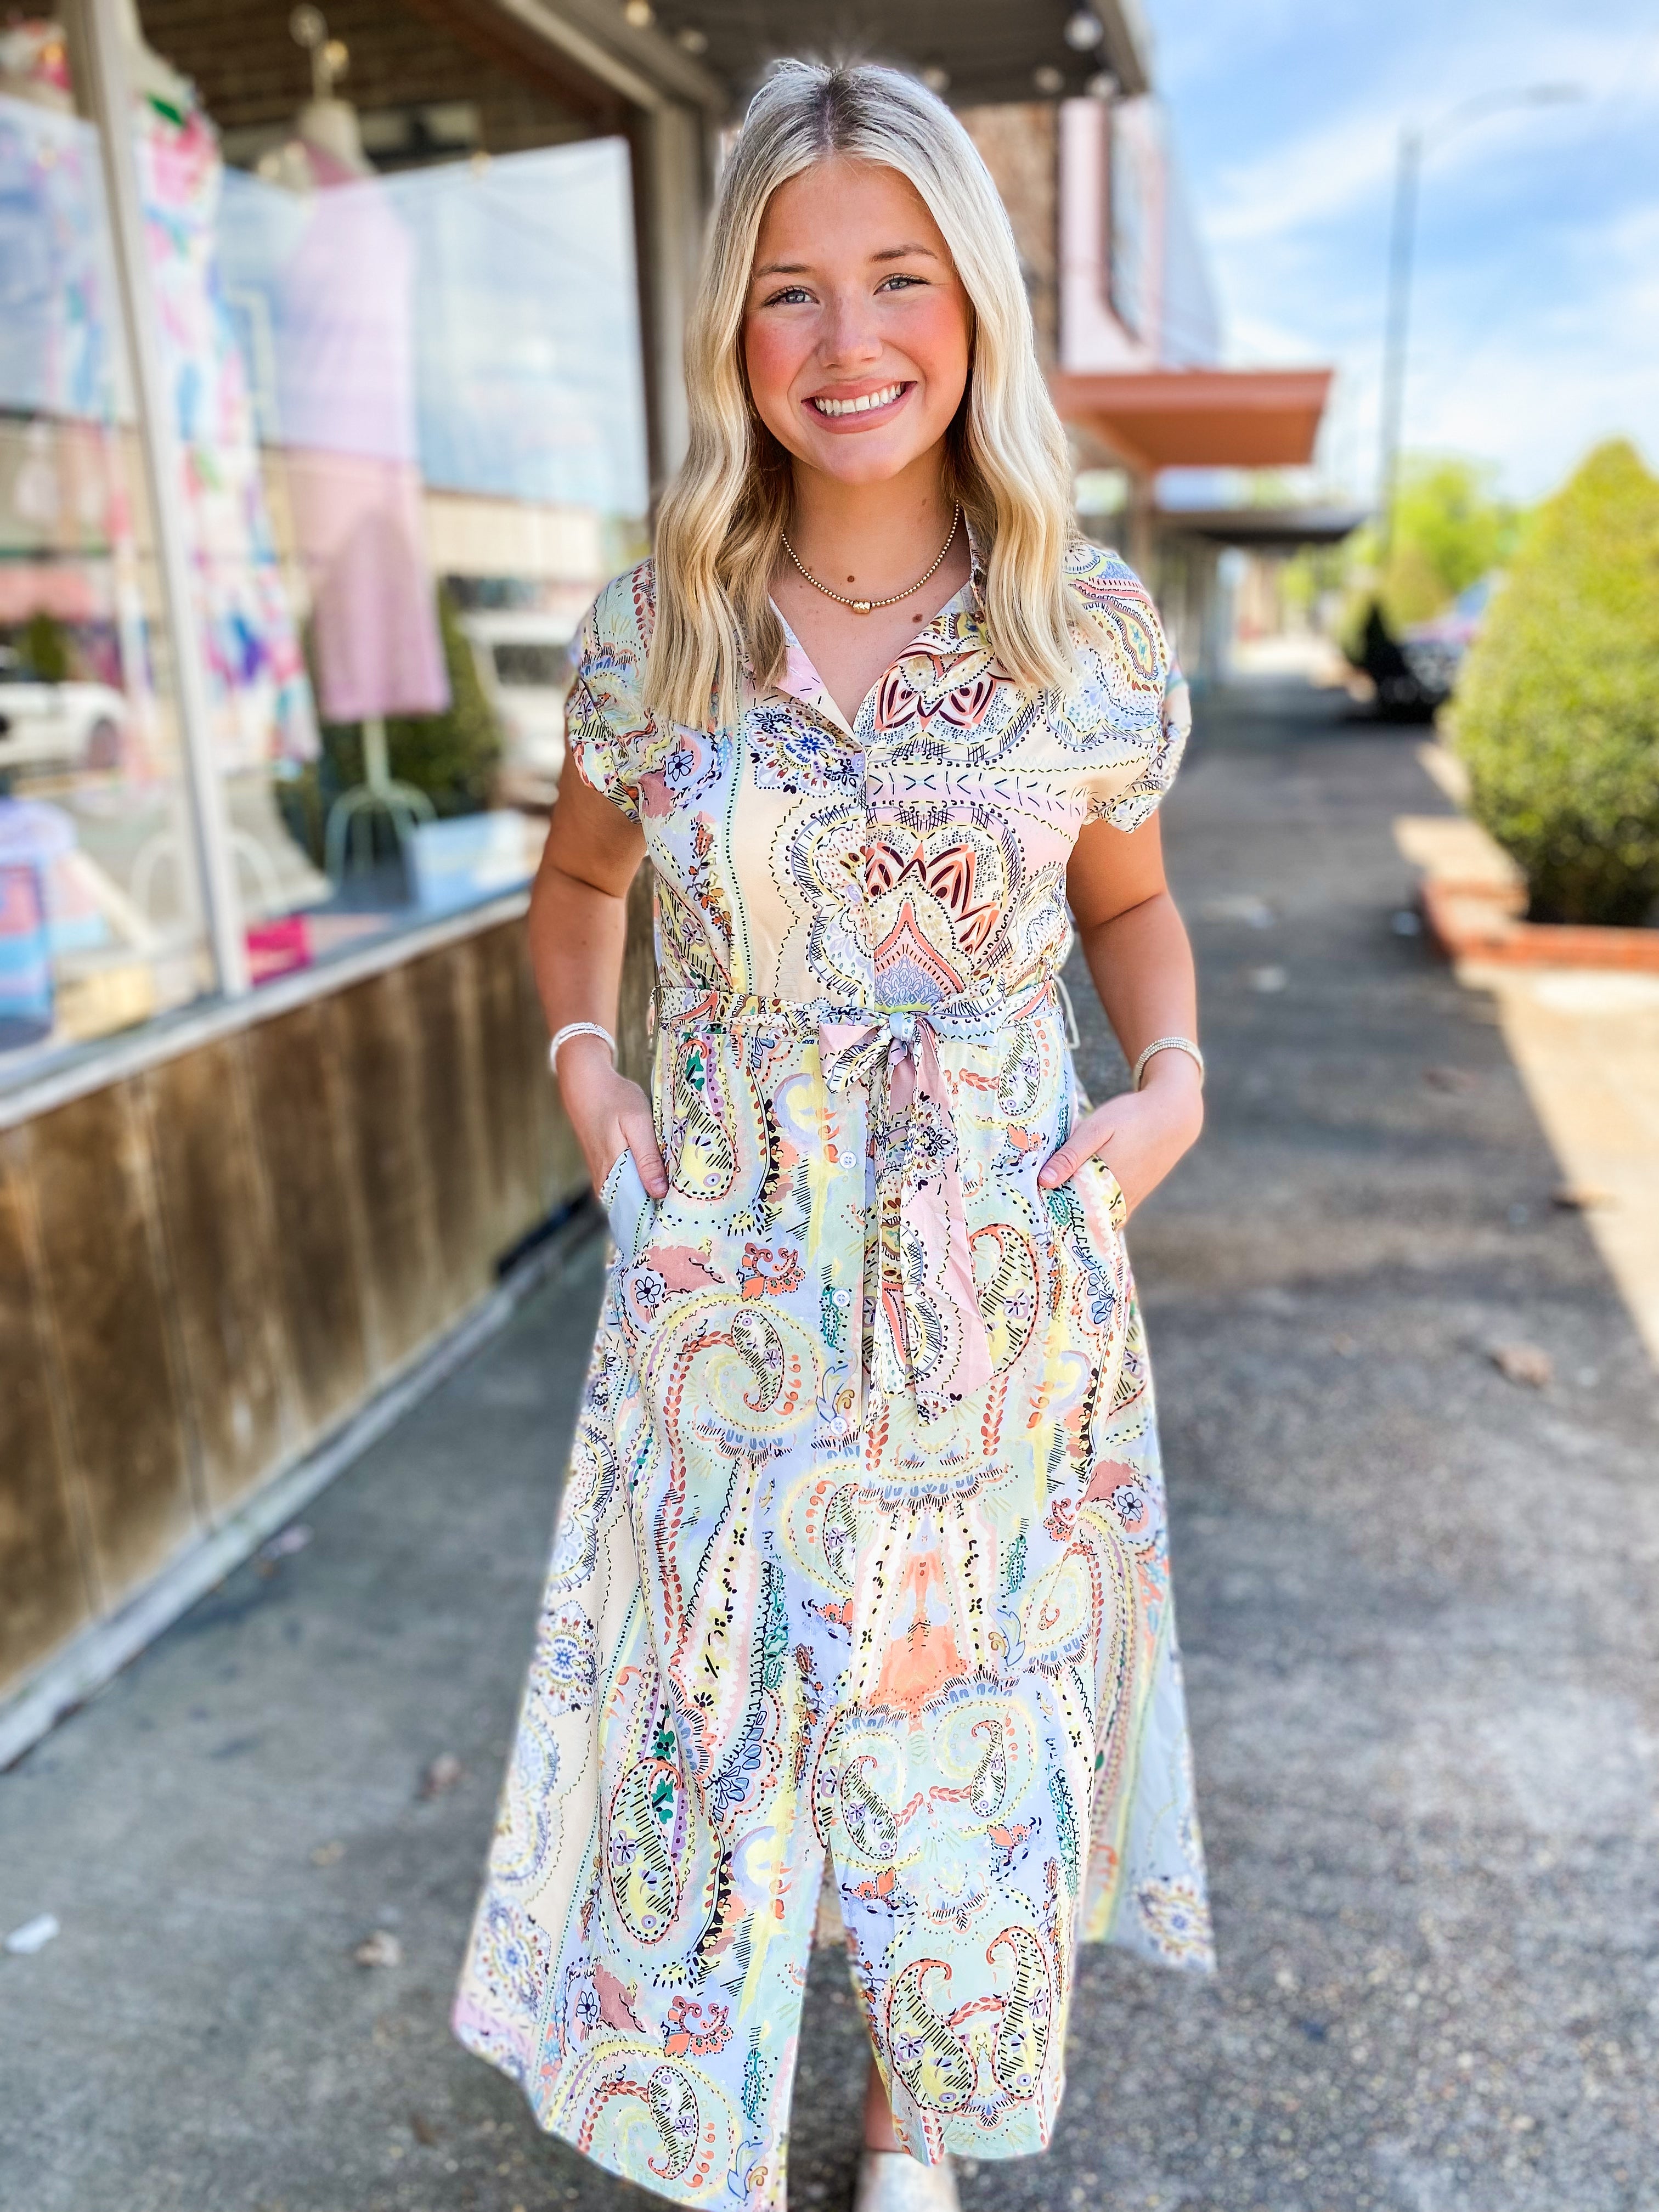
[101, 919]
[417, 449]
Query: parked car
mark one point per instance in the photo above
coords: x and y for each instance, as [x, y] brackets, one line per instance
[56, 726]
[523, 660]
[1434, 650]
[1415, 672]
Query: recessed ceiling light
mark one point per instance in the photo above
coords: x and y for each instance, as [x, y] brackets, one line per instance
[692, 39]
[1103, 85]
[641, 14]
[1047, 80]
[1085, 30]
[935, 78]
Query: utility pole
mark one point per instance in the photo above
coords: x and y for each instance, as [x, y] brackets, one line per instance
[1414, 140]
[1408, 166]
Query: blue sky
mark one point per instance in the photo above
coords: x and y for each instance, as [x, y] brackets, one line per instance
[1536, 304]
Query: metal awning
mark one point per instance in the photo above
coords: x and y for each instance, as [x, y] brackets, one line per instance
[975, 52]
[1266, 528]
[1200, 418]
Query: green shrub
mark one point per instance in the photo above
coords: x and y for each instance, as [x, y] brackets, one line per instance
[1557, 713]
[46, 649]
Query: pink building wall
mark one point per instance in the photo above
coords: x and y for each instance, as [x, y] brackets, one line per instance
[1092, 336]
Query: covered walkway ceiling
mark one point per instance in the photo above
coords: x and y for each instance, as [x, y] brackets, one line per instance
[1200, 418]
[988, 51]
[1264, 529]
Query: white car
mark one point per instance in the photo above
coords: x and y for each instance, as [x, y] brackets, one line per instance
[57, 725]
[524, 664]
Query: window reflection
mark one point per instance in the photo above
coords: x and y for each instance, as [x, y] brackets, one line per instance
[445, 370]
[99, 910]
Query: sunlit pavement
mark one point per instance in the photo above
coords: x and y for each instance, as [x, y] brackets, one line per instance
[1420, 1601]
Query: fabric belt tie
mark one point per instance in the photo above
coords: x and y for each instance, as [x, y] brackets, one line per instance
[937, 1331]
[881, 1067]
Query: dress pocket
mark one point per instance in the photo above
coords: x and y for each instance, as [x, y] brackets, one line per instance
[627, 1206]
[1109, 1188]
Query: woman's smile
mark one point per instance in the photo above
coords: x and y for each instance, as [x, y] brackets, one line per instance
[847, 408]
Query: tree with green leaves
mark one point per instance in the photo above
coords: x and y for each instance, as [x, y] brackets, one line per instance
[1450, 528]
[1557, 714]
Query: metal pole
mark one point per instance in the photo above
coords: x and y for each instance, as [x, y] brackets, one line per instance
[110, 97]
[1408, 164]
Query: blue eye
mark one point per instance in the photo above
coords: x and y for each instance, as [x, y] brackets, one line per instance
[789, 296]
[899, 277]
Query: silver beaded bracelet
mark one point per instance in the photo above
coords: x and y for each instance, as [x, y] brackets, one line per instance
[573, 1029]
[1167, 1045]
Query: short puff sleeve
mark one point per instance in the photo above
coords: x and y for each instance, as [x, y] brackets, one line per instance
[606, 727]
[1130, 713]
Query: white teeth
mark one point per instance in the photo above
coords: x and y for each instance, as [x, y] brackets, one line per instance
[882, 399]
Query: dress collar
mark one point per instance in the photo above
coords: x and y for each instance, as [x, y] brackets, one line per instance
[947, 651]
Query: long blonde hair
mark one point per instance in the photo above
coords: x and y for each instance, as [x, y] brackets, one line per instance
[721, 522]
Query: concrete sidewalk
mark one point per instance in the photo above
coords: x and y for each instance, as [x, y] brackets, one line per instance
[1419, 1602]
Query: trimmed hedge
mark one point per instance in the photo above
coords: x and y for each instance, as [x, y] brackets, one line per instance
[1556, 712]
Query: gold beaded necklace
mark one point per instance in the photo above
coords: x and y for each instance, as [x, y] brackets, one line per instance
[867, 606]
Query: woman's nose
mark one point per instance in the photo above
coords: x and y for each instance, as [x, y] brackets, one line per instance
[851, 334]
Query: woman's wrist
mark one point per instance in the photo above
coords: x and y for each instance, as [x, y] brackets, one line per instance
[1170, 1067]
[583, 1051]
[1173, 1079]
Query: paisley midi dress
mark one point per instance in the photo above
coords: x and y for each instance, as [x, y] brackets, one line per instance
[862, 1555]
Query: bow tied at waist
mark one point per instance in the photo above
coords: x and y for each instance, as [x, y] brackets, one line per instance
[929, 1332]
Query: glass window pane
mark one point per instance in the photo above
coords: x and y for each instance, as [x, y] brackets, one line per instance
[100, 918]
[427, 405]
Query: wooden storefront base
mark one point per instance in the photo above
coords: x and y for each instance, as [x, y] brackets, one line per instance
[209, 1265]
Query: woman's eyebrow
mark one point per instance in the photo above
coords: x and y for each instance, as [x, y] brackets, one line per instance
[804, 268]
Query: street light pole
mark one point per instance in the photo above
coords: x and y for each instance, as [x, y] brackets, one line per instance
[1408, 166]
[1415, 139]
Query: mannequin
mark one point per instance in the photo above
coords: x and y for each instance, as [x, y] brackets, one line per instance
[263, 717]
[326, 125]
[330, 126]
[151, 77]
[345, 378]
[34, 65]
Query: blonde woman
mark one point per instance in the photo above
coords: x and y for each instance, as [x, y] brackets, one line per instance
[860, 1571]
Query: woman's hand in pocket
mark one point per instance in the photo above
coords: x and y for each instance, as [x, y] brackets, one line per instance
[609, 1115]
[1140, 1134]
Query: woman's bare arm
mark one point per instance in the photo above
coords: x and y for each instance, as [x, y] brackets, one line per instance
[1139, 955]
[578, 930]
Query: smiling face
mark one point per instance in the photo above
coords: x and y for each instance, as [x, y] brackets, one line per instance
[858, 332]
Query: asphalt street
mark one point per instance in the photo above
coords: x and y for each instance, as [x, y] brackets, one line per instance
[1418, 1596]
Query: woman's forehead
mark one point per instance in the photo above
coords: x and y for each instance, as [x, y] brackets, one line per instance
[843, 204]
